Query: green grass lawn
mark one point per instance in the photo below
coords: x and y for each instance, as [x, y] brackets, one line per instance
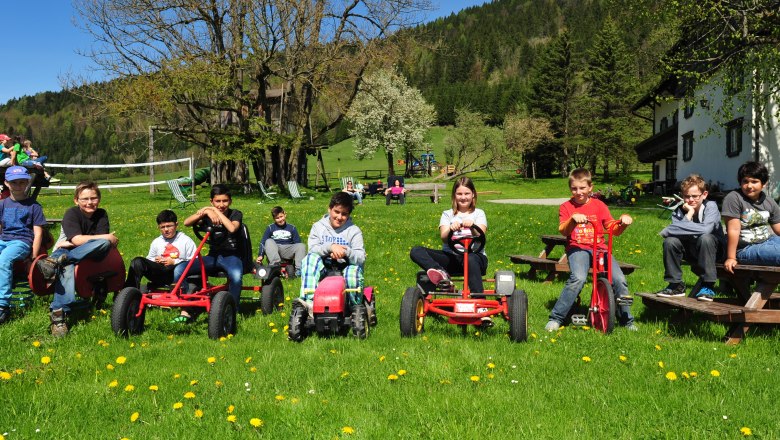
[671, 379]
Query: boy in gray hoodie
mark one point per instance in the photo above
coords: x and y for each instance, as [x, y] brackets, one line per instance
[696, 235]
[334, 243]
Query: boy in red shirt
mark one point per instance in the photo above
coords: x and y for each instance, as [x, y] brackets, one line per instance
[574, 216]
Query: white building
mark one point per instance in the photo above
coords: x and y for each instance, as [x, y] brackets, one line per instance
[692, 139]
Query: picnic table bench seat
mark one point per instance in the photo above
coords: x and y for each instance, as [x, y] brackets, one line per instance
[756, 301]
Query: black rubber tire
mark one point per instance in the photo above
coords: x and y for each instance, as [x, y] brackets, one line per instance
[412, 306]
[359, 320]
[123, 319]
[372, 319]
[605, 322]
[271, 295]
[296, 329]
[518, 316]
[222, 317]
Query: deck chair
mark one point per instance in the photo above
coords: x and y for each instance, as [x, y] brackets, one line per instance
[390, 183]
[344, 181]
[178, 196]
[295, 193]
[264, 193]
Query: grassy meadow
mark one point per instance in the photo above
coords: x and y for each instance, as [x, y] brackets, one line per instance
[671, 379]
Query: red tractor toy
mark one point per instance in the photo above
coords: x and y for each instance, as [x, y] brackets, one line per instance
[330, 312]
[460, 306]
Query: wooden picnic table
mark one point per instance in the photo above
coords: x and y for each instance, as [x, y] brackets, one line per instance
[756, 302]
[554, 266]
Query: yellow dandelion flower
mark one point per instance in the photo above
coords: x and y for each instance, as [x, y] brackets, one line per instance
[178, 405]
[222, 339]
[211, 360]
[46, 360]
[622, 358]
[445, 382]
[660, 364]
[333, 351]
[671, 375]
[585, 327]
[193, 382]
[553, 340]
[401, 372]
[715, 373]
[658, 347]
[113, 384]
[198, 414]
[176, 376]
[279, 397]
[218, 383]
[733, 355]
[129, 388]
[18, 371]
[248, 360]
[36, 344]
[295, 400]
[694, 374]
[658, 331]
[392, 377]
[746, 431]
[134, 416]
[271, 324]
[344, 374]
[274, 330]
[685, 375]
[491, 376]
[253, 369]
[286, 327]
[491, 365]
[534, 335]
[4, 375]
[189, 395]
[110, 367]
[586, 359]
[231, 418]
[121, 360]
[474, 378]
[154, 388]
[256, 422]
[382, 358]
[348, 430]
[230, 409]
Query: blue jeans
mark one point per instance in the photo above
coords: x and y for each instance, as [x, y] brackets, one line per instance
[766, 253]
[65, 283]
[580, 266]
[10, 251]
[312, 270]
[232, 266]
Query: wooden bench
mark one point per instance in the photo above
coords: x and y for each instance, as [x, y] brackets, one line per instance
[759, 305]
[552, 266]
[431, 190]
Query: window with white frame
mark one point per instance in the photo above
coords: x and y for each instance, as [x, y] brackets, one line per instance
[734, 137]
[687, 146]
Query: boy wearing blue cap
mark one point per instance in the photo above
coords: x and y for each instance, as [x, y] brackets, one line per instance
[22, 221]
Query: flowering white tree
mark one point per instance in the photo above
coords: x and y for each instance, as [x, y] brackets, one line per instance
[390, 115]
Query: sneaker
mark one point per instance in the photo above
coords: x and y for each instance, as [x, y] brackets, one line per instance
[5, 315]
[307, 304]
[552, 326]
[672, 290]
[705, 294]
[54, 180]
[49, 266]
[181, 319]
[437, 275]
[59, 324]
[632, 327]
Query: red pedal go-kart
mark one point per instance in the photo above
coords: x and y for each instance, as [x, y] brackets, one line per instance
[93, 279]
[330, 313]
[460, 307]
[603, 305]
[129, 311]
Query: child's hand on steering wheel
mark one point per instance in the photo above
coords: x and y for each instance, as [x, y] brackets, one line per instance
[337, 251]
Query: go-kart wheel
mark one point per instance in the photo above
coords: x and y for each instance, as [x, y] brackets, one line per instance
[477, 241]
[123, 313]
[271, 295]
[296, 330]
[412, 317]
[222, 317]
[518, 316]
[602, 307]
[359, 320]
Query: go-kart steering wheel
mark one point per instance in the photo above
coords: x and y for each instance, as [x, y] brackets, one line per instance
[196, 229]
[477, 241]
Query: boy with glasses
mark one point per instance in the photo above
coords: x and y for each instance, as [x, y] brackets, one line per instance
[168, 255]
[696, 235]
[84, 234]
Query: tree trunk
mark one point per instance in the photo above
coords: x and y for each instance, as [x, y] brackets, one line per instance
[390, 164]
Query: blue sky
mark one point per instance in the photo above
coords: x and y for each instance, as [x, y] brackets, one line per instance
[40, 44]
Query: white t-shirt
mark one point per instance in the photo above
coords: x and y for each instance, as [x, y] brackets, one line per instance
[448, 217]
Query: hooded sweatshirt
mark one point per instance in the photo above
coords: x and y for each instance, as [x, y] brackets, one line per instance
[706, 221]
[322, 236]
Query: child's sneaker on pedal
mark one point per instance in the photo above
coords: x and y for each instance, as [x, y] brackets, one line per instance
[705, 294]
[552, 326]
[437, 276]
[672, 290]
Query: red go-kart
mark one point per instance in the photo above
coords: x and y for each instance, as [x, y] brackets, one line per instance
[460, 306]
[603, 305]
[128, 314]
[330, 313]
